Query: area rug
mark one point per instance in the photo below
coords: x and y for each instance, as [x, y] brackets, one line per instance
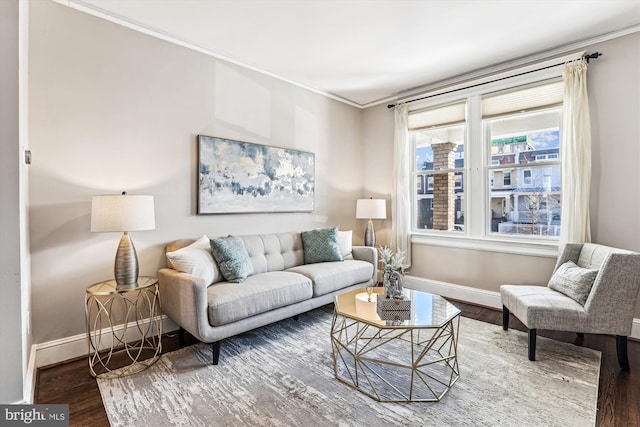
[282, 375]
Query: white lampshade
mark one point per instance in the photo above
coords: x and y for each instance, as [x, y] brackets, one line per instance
[122, 212]
[371, 209]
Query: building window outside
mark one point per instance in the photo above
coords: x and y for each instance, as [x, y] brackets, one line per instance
[507, 141]
[532, 207]
[440, 160]
[506, 179]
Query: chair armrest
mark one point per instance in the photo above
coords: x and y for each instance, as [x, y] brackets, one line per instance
[369, 254]
[615, 292]
[184, 299]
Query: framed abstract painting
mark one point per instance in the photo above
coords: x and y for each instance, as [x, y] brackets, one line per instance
[241, 177]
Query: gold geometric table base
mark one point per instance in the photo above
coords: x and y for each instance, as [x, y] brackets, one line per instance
[397, 364]
[123, 322]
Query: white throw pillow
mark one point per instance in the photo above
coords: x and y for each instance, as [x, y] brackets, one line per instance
[195, 259]
[344, 243]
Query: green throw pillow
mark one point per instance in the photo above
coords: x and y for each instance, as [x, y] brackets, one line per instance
[232, 258]
[573, 281]
[321, 245]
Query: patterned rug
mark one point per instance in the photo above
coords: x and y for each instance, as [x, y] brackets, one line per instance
[282, 375]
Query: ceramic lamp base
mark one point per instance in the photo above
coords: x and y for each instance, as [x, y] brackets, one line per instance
[369, 235]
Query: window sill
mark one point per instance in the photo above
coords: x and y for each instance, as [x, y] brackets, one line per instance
[547, 249]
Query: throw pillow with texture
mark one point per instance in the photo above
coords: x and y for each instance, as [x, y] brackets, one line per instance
[344, 243]
[195, 259]
[232, 258]
[573, 281]
[321, 245]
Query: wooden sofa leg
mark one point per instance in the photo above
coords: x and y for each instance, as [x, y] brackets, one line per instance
[580, 335]
[505, 318]
[181, 333]
[621, 349]
[532, 344]
[215, 347]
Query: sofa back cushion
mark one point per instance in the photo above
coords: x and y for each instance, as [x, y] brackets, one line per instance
[274, 252]
[267, 252]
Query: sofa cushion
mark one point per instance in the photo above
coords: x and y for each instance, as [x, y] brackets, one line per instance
[321, 245]
[331, 276]
[229, 302]
[195, 259]
[573, 281]
[232, 258]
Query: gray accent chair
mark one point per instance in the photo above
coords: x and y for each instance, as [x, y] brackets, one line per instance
[609, 308]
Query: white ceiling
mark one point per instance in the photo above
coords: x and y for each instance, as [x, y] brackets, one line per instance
[369, 51]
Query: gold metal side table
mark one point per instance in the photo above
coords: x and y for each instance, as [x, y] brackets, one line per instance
[123, 322]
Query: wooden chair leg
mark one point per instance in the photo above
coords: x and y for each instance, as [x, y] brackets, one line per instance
[532, 344]
[215, 347]
[181, 333]
[621, 349]
[505, 318]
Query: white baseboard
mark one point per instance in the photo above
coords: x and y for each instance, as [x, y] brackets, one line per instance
[72, 347]
[463, 293]
[30, 378]
[476, 296]
[75, 346]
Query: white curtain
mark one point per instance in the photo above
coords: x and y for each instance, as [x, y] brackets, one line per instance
[401, 190]
[576, 156]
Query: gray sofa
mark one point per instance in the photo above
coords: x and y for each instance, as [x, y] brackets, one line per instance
[196, 296]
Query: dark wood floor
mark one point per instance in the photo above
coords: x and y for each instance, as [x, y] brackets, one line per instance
[618, 394]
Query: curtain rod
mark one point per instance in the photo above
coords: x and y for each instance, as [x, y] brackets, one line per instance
[585, 57]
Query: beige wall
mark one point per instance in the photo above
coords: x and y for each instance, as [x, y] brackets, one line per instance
[614, 98]
[13, 319]
[112, 109]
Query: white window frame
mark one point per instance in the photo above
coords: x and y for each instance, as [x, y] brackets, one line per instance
[476, 236]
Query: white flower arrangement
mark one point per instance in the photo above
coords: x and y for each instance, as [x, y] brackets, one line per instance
[392, 260]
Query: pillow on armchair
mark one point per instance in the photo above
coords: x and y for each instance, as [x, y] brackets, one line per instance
[573, 281]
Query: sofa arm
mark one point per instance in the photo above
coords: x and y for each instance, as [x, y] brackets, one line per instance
[369, 254]
[184, 300]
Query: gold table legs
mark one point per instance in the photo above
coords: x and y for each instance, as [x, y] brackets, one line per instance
[137, 337]
[396, 364]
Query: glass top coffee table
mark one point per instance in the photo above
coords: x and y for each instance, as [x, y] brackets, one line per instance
[405, 355]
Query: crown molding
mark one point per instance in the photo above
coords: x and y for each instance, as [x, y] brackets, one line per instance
[93, 10]
[423, 90]
[90, 9]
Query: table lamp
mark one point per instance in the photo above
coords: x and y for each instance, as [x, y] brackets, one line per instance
[371, 209]
[125, 213]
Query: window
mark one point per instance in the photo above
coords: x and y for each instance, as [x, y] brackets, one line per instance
[494, 149]
[506, 179]
[530, 207]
